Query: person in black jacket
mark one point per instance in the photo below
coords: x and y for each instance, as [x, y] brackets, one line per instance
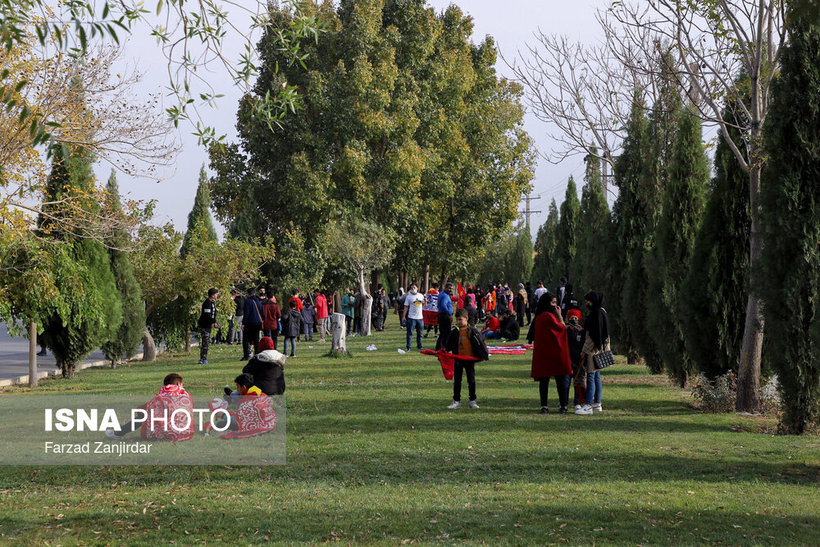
[268, 374]
[509, 326]
[467, 341]
[207, 320]
[291, 327]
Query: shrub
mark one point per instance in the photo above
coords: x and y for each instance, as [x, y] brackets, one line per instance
[718, 395]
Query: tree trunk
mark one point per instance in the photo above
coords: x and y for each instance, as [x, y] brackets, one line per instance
[337, 301]
[188, 340]
[748, 374]
[32, 354]
[367, 306]
[149, 348]
[426, 278]
[337, 327]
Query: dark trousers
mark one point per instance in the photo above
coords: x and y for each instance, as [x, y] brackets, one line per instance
[204, 343]
[274, 335]
[444, 327]
[250, 336]
[348, 323]
[562, 383]
[459, 367]
[529, 316]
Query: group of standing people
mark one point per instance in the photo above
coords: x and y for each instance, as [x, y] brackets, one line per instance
[564, 347]
[257, 314]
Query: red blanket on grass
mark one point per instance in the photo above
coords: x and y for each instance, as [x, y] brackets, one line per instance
[173, 409]
[255, 416]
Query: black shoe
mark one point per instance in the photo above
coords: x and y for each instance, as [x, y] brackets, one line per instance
[227, 390]
[244, 358]
[42, 353]
[545, 410]
[562, 410]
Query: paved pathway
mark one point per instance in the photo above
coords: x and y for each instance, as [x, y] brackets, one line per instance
[14, 359]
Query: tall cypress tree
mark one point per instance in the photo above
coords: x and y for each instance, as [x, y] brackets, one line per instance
[662, 127]
[546, 245]
[590, 268]
[631, 222]
[127, 338]
[567, 232]
[200, 213]
[669, 262]
[714, 311]
[789, 279]
[95, 313]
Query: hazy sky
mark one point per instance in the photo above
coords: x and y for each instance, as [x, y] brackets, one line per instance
[511, 23]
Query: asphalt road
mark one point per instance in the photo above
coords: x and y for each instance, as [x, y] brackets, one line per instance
[14, 356]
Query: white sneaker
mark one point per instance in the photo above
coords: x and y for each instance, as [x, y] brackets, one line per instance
[473, 404]
[454, 404]
[597, 407]
[577, 407]
[585, 410]
[111, 434]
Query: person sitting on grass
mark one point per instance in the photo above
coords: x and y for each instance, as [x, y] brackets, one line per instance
[509, 326]
[171, 398]
[267, 368]
[492, 328]
[254, 415]
[465, 341]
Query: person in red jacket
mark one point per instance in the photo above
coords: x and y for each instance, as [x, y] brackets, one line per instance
[550, 354]
[492, 327]
[272, 314]
[321, 314]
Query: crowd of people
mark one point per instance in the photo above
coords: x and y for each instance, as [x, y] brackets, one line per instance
[564, 342]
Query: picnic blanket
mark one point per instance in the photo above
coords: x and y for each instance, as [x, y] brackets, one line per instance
[173, 409]
[518, 349]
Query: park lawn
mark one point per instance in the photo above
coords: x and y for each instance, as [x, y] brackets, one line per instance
[373, 455]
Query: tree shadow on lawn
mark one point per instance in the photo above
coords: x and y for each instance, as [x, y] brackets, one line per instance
[488, 514]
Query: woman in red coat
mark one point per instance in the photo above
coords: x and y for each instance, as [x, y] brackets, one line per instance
[550, 354]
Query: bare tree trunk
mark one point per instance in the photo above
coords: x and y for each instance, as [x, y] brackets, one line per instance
[426, 278]
[32, 354]
[149, 348]
[337, 301]
[367, 306]
[187, 340]
[748, 374]
[338, 330]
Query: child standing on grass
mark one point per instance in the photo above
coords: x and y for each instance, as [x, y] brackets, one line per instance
[466, 341]
[291, 327]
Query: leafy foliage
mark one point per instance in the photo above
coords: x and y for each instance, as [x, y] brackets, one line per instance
[404, 124]
[591, 267]
[546, 246]
[127, 338]
[200, 213]
[713, 313]
[567, 232]
[789, 277]
[94, 313]
[669, 262]
[509, 259]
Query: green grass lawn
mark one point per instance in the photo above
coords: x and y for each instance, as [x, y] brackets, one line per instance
[373, 455]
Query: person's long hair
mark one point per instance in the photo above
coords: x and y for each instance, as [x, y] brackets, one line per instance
[597, 321]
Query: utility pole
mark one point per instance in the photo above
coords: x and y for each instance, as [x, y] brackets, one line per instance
[527, 211]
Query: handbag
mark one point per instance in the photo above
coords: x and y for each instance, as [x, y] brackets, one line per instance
[603, 359]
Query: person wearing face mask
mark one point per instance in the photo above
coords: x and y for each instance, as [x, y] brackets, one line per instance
[413, 315]
[550, 354]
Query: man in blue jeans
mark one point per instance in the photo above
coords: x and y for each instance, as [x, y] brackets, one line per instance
[413, 315]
